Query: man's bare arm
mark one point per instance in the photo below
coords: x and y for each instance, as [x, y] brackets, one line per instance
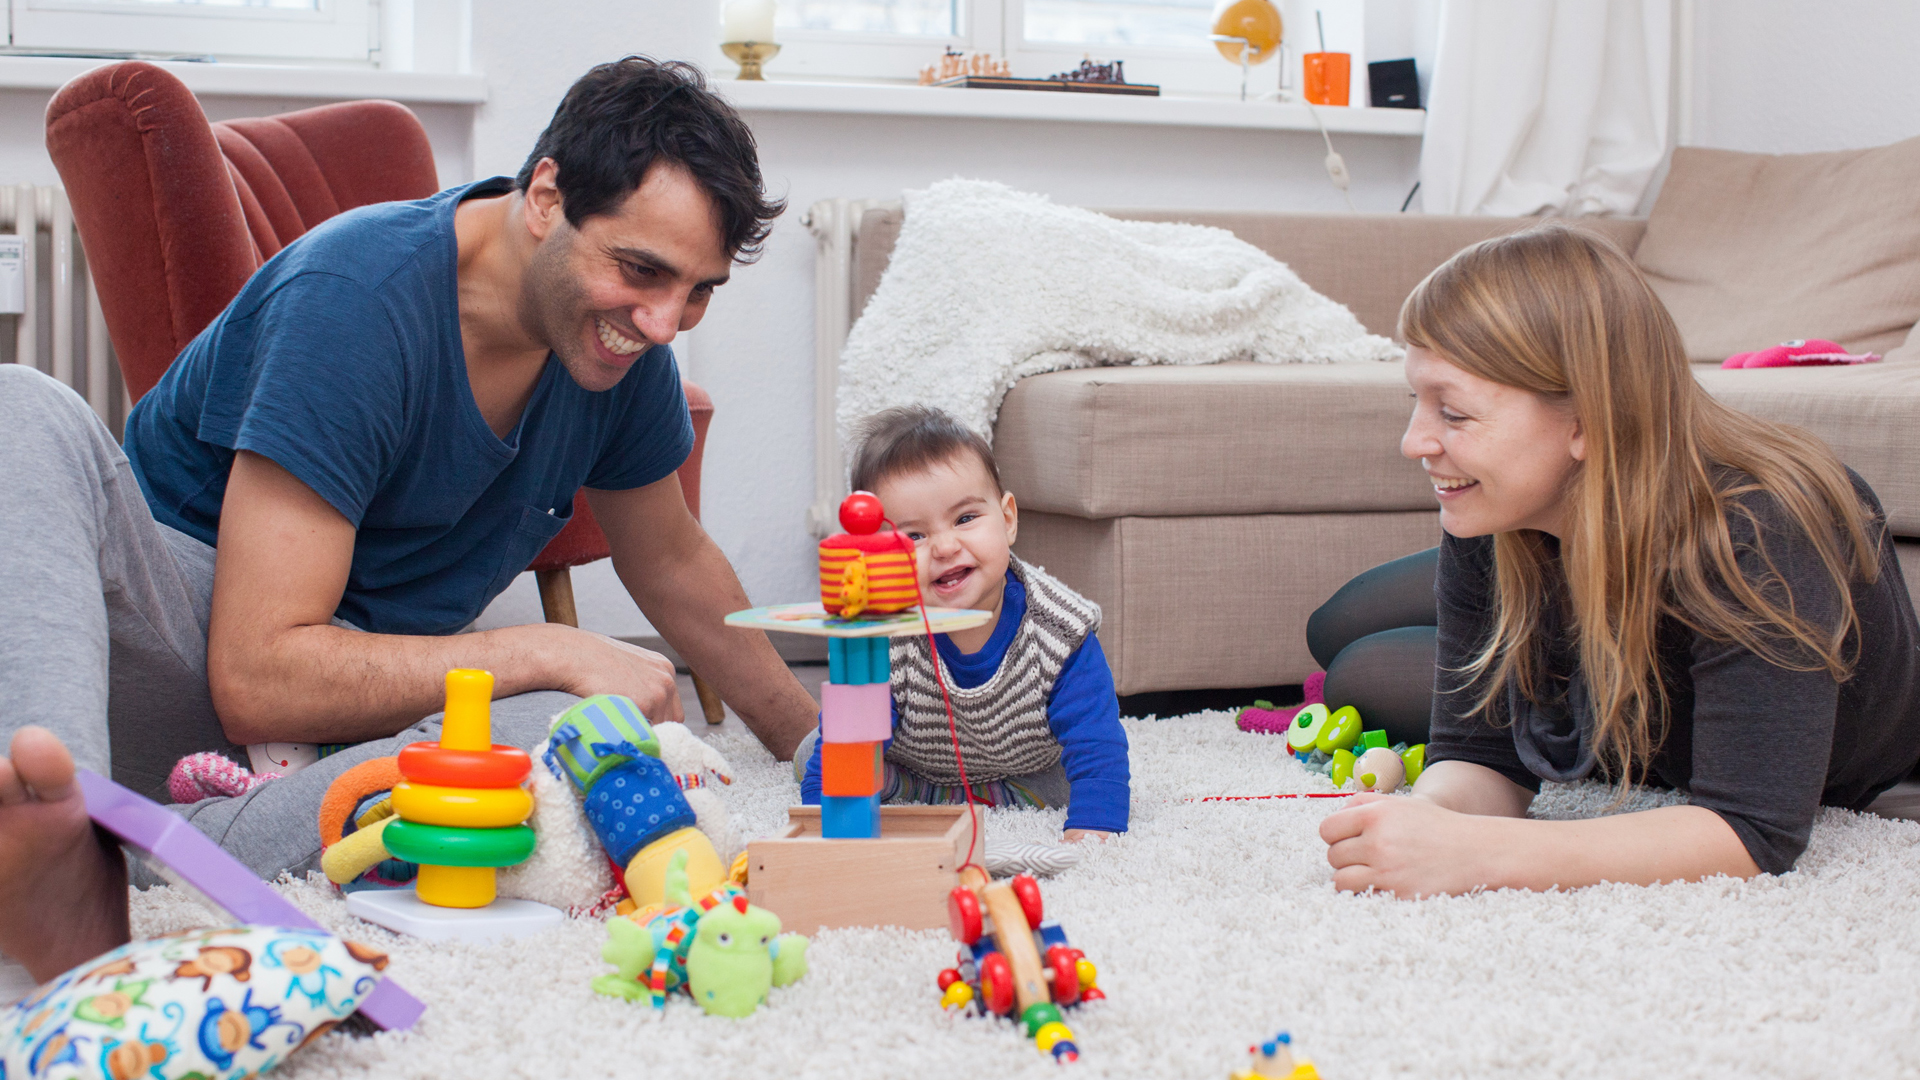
[685, 587]
[279, 671]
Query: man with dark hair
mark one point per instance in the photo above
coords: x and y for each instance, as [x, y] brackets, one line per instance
[389, 421]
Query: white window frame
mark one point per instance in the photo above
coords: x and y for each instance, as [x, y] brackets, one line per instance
[998, 27]
[339, 30]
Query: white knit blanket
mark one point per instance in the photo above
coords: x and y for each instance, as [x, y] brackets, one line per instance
[988, 285]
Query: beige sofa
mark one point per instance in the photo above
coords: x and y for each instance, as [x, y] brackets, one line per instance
[1209, 510]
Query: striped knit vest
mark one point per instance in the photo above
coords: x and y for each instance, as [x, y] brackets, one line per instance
[1002, 723]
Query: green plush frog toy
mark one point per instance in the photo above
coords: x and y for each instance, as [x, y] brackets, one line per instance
[726, 953]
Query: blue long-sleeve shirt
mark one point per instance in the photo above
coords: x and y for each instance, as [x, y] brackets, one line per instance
[1082, 712]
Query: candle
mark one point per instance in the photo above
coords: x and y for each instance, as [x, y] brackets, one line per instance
[747, 20]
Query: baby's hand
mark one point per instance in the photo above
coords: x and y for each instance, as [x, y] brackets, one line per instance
[1074, 836]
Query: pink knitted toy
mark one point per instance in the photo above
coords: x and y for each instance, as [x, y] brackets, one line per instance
[205, 776]
[1262, 718]
[1807, 352]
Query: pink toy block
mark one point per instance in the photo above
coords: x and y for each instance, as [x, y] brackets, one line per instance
[859, 713]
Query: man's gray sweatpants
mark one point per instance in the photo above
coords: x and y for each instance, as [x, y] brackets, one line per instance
[103, 632]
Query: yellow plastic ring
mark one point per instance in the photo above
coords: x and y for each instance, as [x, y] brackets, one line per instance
[467, 808]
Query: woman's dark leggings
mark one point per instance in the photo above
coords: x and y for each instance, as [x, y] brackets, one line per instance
[1376, 638]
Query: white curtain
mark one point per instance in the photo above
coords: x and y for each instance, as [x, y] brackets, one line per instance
[1546, 106]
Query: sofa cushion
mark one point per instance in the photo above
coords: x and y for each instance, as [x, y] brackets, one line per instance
[1869, 414]
[1233, 438]
[1325, 438]
[1749, 250]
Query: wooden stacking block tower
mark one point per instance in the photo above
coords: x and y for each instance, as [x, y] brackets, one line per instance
[856, 717]
[851, 861]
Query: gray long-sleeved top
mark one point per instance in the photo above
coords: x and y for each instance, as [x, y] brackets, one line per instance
[1761, 745]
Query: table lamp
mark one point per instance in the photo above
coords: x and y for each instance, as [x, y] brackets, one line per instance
[1246, 32]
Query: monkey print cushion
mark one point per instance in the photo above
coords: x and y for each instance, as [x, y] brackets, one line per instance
[210, 1004]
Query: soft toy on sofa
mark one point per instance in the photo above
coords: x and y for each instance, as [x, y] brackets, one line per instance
[1800, 352]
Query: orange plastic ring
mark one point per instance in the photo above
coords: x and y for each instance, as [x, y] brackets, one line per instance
[431, 763]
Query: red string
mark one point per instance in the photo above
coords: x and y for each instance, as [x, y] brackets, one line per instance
[1300, 795]
[953, 729]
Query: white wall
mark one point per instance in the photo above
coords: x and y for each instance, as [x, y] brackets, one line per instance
[754, 353]
[23, 132]
[1796, 76]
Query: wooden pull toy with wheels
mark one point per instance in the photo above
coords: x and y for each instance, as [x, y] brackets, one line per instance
[1013, 964]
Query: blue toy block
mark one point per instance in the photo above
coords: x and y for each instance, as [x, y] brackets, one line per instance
[850, 817]
[858, 661]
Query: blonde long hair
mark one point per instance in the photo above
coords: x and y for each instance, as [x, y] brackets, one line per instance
[1564, 314]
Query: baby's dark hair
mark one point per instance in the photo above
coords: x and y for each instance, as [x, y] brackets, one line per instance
[913, 438]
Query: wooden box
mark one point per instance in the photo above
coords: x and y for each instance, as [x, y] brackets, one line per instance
[901, 879]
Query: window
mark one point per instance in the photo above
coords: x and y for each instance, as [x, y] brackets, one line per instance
[1161, 41]
[925, 18]
[1179, 24]
[264, 29]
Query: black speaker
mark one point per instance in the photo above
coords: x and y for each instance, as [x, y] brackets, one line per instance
[1394, 84]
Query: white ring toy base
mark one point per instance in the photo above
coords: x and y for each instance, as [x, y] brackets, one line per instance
[402, 912]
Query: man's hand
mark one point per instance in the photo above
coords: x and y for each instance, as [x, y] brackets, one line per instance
[1410, 847]
[599, 664]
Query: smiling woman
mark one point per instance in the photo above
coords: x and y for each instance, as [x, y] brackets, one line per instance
[1637, 584]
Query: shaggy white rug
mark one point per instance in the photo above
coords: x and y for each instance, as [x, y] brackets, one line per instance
[1213, 926]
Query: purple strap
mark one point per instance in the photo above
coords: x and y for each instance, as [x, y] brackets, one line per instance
[199, 862]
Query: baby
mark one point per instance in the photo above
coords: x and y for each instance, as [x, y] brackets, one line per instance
[1033, 698]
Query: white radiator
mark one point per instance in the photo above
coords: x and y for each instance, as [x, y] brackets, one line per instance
[835, 224]
[47, 293]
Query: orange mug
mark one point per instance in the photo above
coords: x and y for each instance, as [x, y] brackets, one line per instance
[1329, 74]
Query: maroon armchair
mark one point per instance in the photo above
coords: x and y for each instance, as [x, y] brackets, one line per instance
[176, 213]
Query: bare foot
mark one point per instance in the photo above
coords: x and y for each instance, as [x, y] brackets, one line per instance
[63, 891]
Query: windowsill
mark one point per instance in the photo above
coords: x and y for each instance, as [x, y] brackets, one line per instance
[893, 99]
[263, 80]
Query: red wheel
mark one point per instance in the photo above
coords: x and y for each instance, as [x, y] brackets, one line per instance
[963, 915]
[1063, 975]
[1027, 891]
[996, 984]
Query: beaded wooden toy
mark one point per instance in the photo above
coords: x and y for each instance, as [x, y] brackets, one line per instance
[1012, 964]
[462, 806]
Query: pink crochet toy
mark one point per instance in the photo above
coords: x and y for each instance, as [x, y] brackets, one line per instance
[1262, 718]
[1809, 352]
[204, 776]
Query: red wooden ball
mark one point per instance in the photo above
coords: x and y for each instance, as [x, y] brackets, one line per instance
[948, 978]
[861, 513]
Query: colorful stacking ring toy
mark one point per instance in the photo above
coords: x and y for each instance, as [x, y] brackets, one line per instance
[460, 805]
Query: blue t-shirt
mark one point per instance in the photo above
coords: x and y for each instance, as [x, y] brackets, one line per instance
[341, 362]
[1082, 712]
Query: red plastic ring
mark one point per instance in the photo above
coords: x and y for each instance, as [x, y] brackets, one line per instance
[431, 763]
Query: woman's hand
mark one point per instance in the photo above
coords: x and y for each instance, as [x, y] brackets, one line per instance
[1410, 847]
[1414, 847]
[1074, 836]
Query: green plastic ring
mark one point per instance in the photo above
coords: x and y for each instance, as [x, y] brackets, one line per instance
[444, 845]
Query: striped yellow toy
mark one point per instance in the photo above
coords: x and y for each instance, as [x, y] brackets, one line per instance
[864, 570]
